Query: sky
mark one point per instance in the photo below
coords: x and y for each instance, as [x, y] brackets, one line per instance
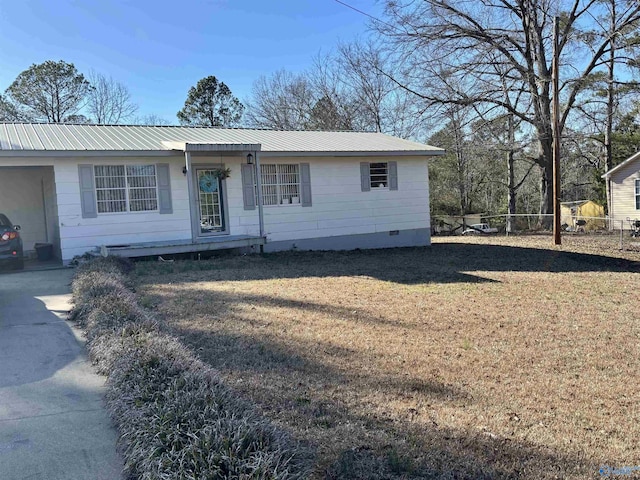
[159, 49]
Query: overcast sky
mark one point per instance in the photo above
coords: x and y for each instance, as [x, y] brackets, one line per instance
[161, 48]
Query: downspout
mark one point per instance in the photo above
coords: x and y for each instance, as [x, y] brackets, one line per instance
[259, 188]
[190, 192]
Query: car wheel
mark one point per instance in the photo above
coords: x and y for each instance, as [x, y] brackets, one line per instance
[18, 264]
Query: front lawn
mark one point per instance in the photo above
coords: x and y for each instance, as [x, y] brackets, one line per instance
[475, 358]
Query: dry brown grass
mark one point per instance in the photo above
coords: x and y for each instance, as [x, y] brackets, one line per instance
[476, 358]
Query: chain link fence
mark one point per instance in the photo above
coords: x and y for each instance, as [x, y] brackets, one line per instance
[524, 223]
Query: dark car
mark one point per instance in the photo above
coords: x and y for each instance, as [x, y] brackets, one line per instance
[10, 244]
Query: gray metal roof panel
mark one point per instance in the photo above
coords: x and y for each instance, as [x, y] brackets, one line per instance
[33, 136]
[63, 137]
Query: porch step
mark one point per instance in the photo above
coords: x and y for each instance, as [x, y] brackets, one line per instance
[181, 246]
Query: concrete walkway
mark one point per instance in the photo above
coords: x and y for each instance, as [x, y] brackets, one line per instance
[53, 424]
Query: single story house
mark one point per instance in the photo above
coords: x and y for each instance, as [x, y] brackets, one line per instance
[152, 190]
[623, 192]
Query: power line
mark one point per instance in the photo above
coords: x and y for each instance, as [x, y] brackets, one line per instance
[375, 19]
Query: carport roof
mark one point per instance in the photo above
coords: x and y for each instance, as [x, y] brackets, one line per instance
[16, 138]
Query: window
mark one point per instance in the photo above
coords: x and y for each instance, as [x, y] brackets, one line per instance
[637, 194]
[280, 184]
[378, 175]
[126, 188]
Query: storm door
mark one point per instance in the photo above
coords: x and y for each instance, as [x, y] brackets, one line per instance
[210, 202]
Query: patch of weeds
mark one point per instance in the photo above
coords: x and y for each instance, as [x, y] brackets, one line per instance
[147, 301]
[398, 463]
[359, 463]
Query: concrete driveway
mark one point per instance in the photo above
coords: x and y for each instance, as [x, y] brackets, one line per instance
[52, 419]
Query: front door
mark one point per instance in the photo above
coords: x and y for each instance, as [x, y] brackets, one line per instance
[210, 202]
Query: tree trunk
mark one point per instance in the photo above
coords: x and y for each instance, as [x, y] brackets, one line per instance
[545, 162]
[546, 201]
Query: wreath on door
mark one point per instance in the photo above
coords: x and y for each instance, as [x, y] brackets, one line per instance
[208, 183]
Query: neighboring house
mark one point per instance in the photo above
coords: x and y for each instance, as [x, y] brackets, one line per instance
[138, 190]
[587, 211]
[623, 192]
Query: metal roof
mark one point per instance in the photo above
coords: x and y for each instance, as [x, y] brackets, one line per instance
[16, 138]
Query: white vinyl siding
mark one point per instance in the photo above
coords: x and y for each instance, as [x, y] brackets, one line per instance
[379, 175]
[280, 184]
[339, 208]
[79, 234]
[126, 188]
[623, 195]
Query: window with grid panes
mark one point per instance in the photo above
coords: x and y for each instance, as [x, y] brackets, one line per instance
[637, 194]
[126, 188]
[280, 184]
[379, 175]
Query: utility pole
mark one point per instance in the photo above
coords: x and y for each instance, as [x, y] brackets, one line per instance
[555, 117]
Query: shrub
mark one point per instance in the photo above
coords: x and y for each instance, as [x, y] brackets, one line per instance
[93, 287]
[112, 264]
[106, 348]
[176, 418]
[113, 312]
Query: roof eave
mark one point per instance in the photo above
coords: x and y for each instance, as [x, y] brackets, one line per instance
[174, 152]
[629, 160]
[87, 153]
[378, 153]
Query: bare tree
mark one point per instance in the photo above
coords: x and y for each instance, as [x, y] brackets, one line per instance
[333, 94]
[109, 101]
[440, 40]
[343, 90]
[312, 100]
[151, 119]
[282, 101]
[326, 115]
[381, 105]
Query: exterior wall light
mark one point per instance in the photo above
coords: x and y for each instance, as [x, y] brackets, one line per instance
[250, 159]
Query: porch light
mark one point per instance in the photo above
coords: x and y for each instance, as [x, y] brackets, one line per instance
[250, 159]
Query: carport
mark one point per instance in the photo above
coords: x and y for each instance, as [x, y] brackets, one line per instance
[28, 198]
